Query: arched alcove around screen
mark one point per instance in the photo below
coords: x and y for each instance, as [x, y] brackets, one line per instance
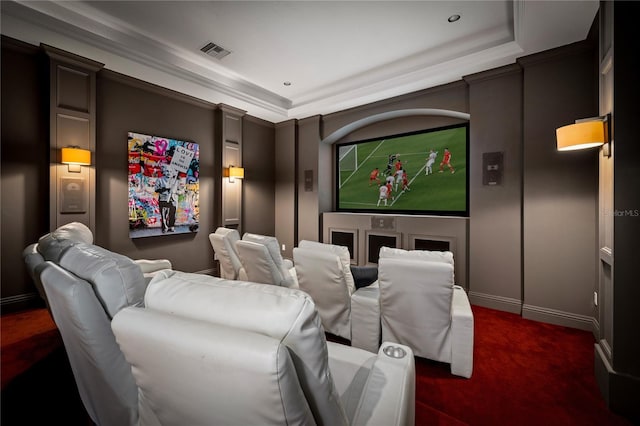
[358, 124]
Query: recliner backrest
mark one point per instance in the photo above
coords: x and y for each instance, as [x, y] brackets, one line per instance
[262, 261]
[343, 254]
[55, 241]
[415, 302]
[117, 281]
[223, 242]
[324, 273]
[287, 315]
[193, 372]
[87, 287]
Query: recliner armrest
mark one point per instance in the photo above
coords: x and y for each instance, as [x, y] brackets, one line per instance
[461, 333]
[365, 318]
[288, 263]
[388, 397]
[364, 275]
[155, 265]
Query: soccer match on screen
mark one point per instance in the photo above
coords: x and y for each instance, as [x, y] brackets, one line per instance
[417, 173]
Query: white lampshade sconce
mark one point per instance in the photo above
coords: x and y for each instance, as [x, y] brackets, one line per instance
[233, 173]
[75, 157]
[583, 134]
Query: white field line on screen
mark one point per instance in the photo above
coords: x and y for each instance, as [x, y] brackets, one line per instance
[363, 161]
[410, 182]
[360, 204]
[402, 154]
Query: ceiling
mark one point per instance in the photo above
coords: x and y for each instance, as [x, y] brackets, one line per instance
[335, 54]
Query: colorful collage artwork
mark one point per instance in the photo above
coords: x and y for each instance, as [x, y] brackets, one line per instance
[163, 186]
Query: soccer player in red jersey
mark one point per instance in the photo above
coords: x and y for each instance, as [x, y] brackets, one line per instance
[446, 160]
[374, 176]
[405, 183]
[390, 190]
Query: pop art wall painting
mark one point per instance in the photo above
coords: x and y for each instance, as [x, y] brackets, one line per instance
[163, 186]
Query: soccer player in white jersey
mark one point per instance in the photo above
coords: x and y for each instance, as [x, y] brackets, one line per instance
[389, 180]
[430, 160]
[384, 193]
[399, 174]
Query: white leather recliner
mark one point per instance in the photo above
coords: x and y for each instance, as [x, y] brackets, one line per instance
[421, 307]
[84, 285]
[207, 351]
[64, 236]
[223, 242]
[263, 263]
[324, 272]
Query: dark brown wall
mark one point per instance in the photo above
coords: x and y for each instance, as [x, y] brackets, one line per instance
[541, 223]
[626, 345]
[496, 210]
[24, 168]
[560, 189]
[123, 105]
[258, 158]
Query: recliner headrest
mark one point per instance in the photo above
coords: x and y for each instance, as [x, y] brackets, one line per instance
[117, 280]
[51, 245]
[268, 241]
[341, 251]
[430, 256]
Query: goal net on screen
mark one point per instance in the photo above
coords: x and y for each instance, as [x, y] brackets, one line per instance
[347, 159]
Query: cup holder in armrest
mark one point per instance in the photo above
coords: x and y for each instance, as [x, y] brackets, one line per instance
[394, 352]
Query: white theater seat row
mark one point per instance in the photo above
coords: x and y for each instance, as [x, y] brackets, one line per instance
[184, 348]
[414, 302]
[253, 257]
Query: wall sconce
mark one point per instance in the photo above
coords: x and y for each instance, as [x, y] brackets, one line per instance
[75, 157]
[585, 133]
[233, 173]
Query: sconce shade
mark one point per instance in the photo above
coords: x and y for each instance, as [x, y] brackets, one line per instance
[587, 134]
[236, 172]
[77, 156]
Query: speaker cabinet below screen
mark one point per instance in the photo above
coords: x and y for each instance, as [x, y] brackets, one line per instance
[345, 238]
[431, 245]
[375, 241]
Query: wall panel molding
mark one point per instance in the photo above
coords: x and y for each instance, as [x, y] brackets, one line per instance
[231, 155]
[72, 122]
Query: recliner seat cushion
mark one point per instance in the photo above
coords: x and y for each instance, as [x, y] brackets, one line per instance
[288, 315]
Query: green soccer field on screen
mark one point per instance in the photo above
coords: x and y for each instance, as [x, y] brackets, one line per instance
[416, 173]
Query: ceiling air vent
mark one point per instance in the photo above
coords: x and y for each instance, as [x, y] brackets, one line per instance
[215, 51]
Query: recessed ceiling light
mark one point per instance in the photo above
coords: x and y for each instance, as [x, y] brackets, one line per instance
[453, 18]
[287, 83]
